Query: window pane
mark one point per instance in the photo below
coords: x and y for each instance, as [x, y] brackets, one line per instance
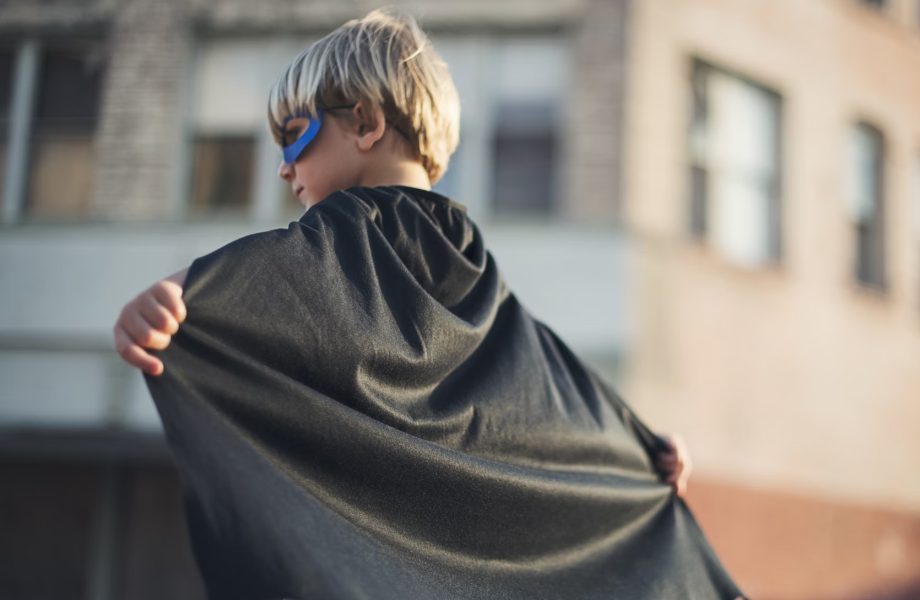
[524, 172]
[530, 68]
[862, 186]
[6, 96]
[698, 195]
[696, 150]
[525, 158]
[6, 82]
[865, 202]
[68, 90]
[222, 180]
[231, 78]
[530, 82]
[62, 153]
[61, 178]
[733, 151]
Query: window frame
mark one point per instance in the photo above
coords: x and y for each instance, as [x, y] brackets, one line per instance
[28, 56]
[869, 266]
[698, 198]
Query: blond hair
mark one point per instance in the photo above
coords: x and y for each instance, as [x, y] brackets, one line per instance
[382, 59]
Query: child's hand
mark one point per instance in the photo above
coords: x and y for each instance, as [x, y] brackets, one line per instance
[675, 463]
[149, 321]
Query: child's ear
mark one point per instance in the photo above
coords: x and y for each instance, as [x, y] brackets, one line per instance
[370, 125]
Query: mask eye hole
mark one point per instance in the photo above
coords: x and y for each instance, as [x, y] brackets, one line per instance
[291, 133]
[292, 129]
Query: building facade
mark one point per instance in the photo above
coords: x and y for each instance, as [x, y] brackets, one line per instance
[724, 193]
[773, 204]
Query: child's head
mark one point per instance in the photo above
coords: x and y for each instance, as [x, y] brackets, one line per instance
[382, 64]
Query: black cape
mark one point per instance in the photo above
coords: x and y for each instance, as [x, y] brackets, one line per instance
[359, 407]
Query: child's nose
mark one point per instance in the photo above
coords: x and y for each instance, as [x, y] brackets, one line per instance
[285, 171]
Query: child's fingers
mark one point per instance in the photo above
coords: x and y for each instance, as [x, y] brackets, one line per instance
[668, 464]
[678, 483]
[667, 470]
[678, 453]
[134, 354]
[666, 438]
[680, 446]
[143, 333]
[158, 315]
[169, 295]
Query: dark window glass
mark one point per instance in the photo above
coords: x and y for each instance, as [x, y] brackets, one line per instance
[697, 153]
[222, 174]
[6, 98]
[867, 196]
[63, 129]
[6, 82]
[525, 159]
[698, 201]
[68, 99]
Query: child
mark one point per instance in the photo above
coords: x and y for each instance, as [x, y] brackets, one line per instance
[382, 302]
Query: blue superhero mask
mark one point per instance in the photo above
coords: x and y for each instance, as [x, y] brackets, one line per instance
[292, 151]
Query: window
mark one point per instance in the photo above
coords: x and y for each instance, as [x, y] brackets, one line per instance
[222, 174]
[866, 204]
[49, 105]
[228, 113]
[734, 167]
[62, 155]
[525, 158]
[6, 93]
[234, 159]
[529, 87]
[512, 90]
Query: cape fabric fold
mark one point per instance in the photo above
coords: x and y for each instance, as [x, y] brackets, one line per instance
[359, 407]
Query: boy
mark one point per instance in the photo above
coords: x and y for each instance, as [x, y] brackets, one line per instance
[382, 301]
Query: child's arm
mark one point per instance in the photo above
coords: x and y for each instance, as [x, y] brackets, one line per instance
[149, 320]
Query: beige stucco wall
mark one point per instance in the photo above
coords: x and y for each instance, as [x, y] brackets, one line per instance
[791, 377]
